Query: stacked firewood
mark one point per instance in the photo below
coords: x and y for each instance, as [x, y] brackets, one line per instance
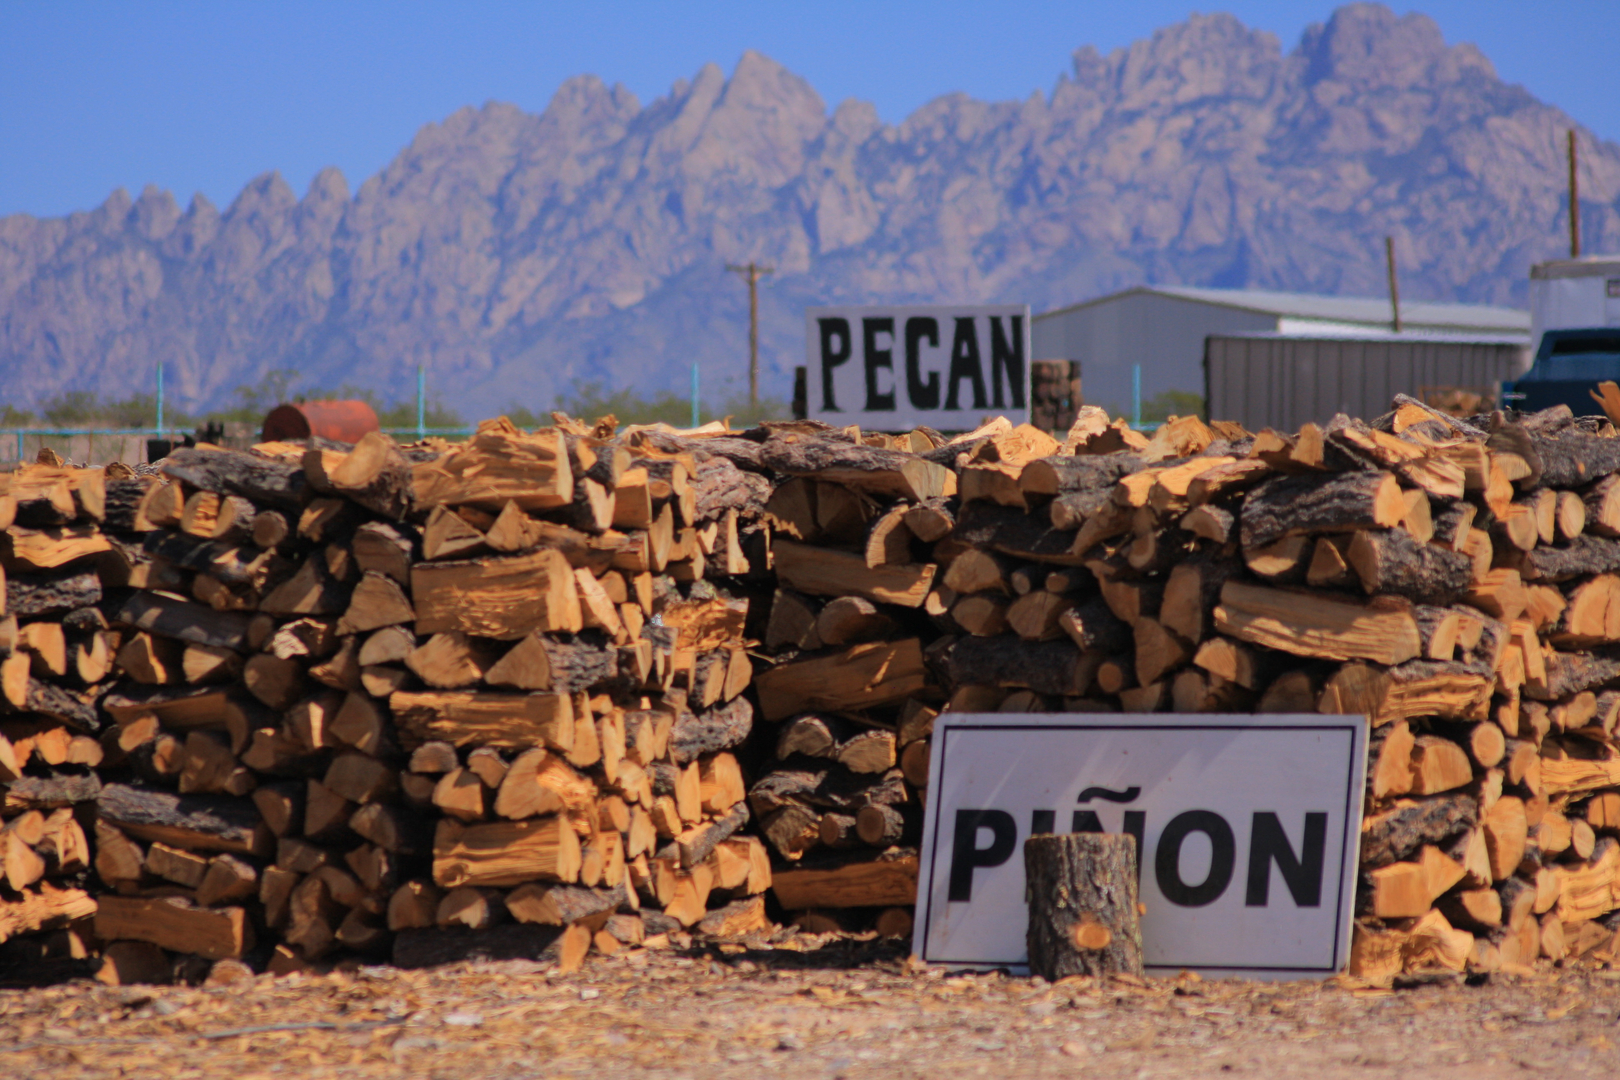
[594, 686]
[309, 702]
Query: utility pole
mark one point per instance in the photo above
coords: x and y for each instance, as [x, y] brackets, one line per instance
[1394, 283]
[753, 271]
[1574, 203]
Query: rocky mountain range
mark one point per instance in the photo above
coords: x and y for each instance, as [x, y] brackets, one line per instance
[516, 255]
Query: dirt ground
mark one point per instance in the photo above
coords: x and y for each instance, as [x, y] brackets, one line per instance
[811, 1008]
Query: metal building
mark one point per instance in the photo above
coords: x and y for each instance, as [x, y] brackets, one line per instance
[1163, 327]
[1279, 381]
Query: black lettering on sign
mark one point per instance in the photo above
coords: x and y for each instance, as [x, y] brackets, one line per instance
[1167, 859]
[877, 359]
[1302, 875]
[833, 355]
[1085, 821]
[923, 395]
[965, 365]
[1007, 359]
[1136, 825]
[967, 856]
[1042, 822]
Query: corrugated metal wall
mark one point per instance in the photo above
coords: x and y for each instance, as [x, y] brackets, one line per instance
[1283, 382]
[1164, 334]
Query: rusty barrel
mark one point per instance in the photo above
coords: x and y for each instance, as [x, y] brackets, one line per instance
[340, 421]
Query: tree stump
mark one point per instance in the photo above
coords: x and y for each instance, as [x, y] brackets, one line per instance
[1083, 918]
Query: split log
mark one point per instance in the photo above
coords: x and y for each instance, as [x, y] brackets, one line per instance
[230, 472]
[865, 676]
[877, 472]
[503, 598]
[1390, 561]
[826, 572]
[1334, 502]
[1308, 625]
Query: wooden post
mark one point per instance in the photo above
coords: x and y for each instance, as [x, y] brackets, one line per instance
[1574, 203]
[1394, 285]
[753, 271]
[1083, 914]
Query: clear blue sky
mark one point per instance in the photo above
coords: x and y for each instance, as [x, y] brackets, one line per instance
[204, 96]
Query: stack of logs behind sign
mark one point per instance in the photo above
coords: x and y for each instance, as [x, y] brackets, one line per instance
[575, 688]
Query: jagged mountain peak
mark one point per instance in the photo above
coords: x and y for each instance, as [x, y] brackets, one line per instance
[516, 253]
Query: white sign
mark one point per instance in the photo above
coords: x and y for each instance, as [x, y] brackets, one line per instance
[893, 368]
[1248, 831]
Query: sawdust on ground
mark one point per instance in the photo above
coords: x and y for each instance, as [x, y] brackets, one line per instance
[806, 1007]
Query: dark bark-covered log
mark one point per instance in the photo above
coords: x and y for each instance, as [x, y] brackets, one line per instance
[724, 727]
[1093, 627]
[192, 822]
[1390, 561]
[541, 662]
[1064, 474]
[1452, 524]
[1570, 460]
[184, 621]
[1070, 512]
[457, 944]
[1083, 917]
[1011, 531]
[1570, 673]
[223, 561]
[1046, 667]
[32, 596]
[1191, 593]
[122, 501]
[822, 783]
[721, 486]
[374, 475]
[231, 472]
[699, 842]
[1586, 554]
[1317, 502]
[864, 468]
[880, 825]
[68, 706]
[52, 792]
[562, 905]
[1399, 832]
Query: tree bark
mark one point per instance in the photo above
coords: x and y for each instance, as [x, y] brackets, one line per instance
[1391, 561]
[1083, 917]
[876, 472]
[723, 728]
[31, 596]
[1064, 474]
[1400, 831]
[1583, 555]
[231, 472]
[1317, 502]
[1046, 667]
[1573, 460]
[192, 822]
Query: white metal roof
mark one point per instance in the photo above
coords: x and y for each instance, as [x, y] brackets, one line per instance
[1371, 311]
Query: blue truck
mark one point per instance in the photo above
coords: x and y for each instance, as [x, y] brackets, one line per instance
[1575, 332]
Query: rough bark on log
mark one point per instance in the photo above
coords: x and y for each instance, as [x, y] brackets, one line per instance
[1065, 474]
[1093, 627]
[1390, 561]
[1014, 532]
[31, 596]
[184, 621]
[722, 728]
[1400, 831]
[67, 706]
[52, 792]
[1573, 460]
[1290, 505]
[433, 946]
[697, 843]
[1570, 673]
[1583, 555]
[192, 822]
[877, 472]
[1083, 917]
[720, 486]
[230, 472]
[1046, 667]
